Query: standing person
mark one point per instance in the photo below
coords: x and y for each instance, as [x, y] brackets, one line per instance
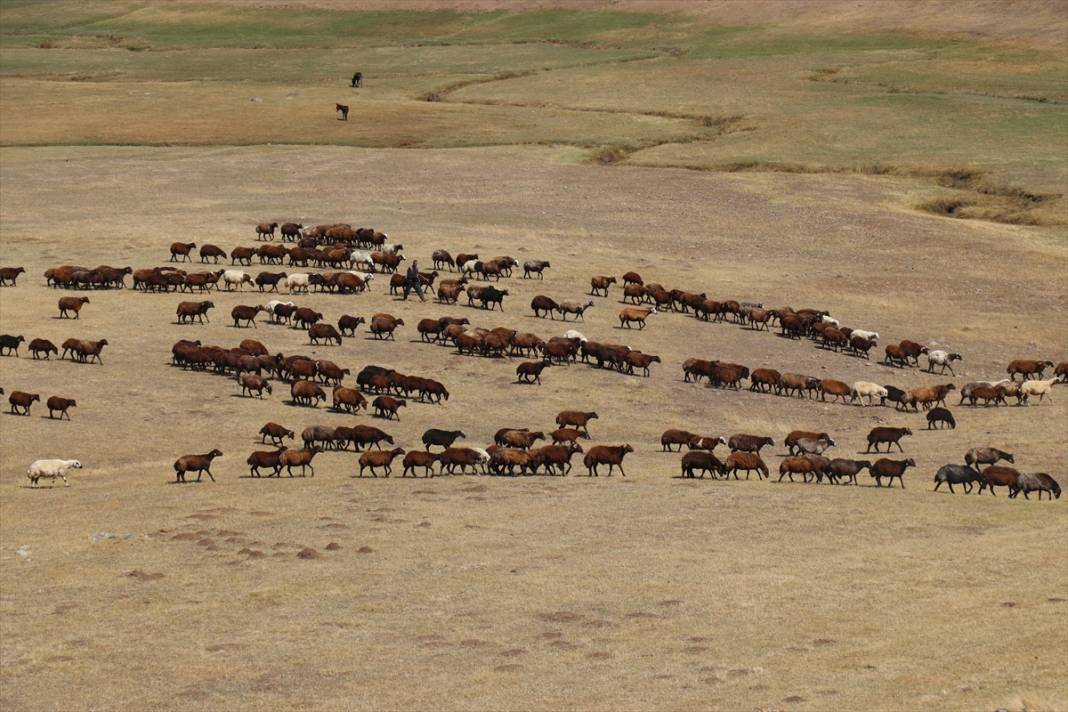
[412, 282]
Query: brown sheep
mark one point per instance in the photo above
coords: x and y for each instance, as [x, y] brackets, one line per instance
[884, 467]
[611, 455]
[929, 396]
[265, 458]
[181, 249]
[705, 442]
[742, 442]
[1027, 369]
[43, 346]
[71, 304]
[541, 303]
[519, 439]
[246, 314]
[10, 343]
[600, 284]
[275, 432]
[530, 371]
[703, 461]
[298, 458]
[23, 400]
[636, 359]
[348, 323]
[449, 291]
[212, 251]
[837, 389]
[306, 393]
[764, 380]
[319, 332]
[577, 419]
[988, 394]
[87, 351]
[796, 435]
[253, 383]
[554, 457]
[242, 255]
[632, 278]
[379, 458]
[187, 311]
[348, 399]
[890, 436]
[265, 230]
[195, 463]
[629, 315]
[419, 458]
[565, 435]
[746, 461]
[387, 407]
[675, 437]
[895, 356]
[791, 466]
[10, 274]
[305, 317]
[383, 325]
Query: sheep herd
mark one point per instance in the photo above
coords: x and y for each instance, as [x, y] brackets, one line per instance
[352, 257]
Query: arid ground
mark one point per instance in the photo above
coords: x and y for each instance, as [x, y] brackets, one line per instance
[126, 591]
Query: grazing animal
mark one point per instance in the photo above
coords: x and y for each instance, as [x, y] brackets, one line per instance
[941, 358]
[541, 303]
[837, 389]
[23, 400]
[987, 456]
[342, 111]
[940, 415]
[1061, 371]
[629, 315]
[211, 251]
[885, 467]
[10, 343]
[791, 466]
[11, 274]
[42, 346]
[266, 230]
[748, 443]
[866, 389]
[349, 400]
[576, 308]
[814, 446]
[890, 436]
[387, 407]
[998, 476]
[182, 249]
[747, 462]
[699, 442]
[701, 461]
[442, 438]
[348, 323]
[323, 332]
[195, 463]
[956, 475]
[636, 359]
[418, 458]
[62, 405]
[275, 432]
[71, 304]
[235, 277]
[265, 458]
[383, 325]
[247, 314]
[841, 468]
[675, 437]
[530, 371]
[187, 311]
[537, 267]
[306, 393]
[611, 455]
[576, 419]
[1027, 368]
[1036, 388]
[600, 284]
[357, 80]
[298, 458]
[373, 459]
[1036, 482]
[791, 440]
[463, 457]
[253, 383]
[50, 470]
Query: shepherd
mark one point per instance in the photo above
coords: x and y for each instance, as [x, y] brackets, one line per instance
[412, 282]
[357, 80]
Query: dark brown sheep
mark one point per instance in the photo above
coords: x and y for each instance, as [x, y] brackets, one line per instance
[419, 458]
[23, 400]
[211, 251]
[367, 435]
[742, 442]
[462, 458]
[611, 455]
[348, 323]
[306, 393]
[42, 346]
[383, 326]
[265, 458]
[373, 459]
[703, 461]
[1027, 368]
[87, 351]
[675, 437]
[387, 407]
[747, 462]
[10, 274]
[187, 311]
[890, 436]
[577, 419]
[246, 314]
[195, 463]
[298, 458]
[265, 230]
[253, 383]
[182, 249]
[442, 438]
[57, 403]
[348, 399]
[530, 371]
[890, 469]
[71, 304]
[277, 433]
[636, 359]
[554, 457]
[10, 343]
[320, 332]
[599, 284]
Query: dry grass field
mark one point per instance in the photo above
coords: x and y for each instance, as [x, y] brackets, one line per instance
[126, 591]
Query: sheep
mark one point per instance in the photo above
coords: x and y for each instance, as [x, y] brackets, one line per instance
[195, 463]
[987, 456]
[815, 446]
[929, 395]
[265, 230]
[866, 389]
[323, 332]
[232, 277]
[1037, 388]
[71, 304]
[181, 249]
[554, 457]
[42, 346]
[443, 259]
[379, 458]
[572, 334]
[998, 476]
[537, 267]
[298, 458]
[956, 475]
[265, 458]
[306, 393]
[541, 303]
[298, 282]
[747, 461]
[462, 457]
[748, 443]
[50, 470]
[890, 436]
[885, 467]
[187, 311]
[627, 315]
[577, 419]
[251, 382]
[942, 358]
[23, 400]
[1027, 368]
[348, 399]
[530, 371]
[699, 442]
[576, 308]
[600, 284]
[418, 458]
[387, 407]
[1061, 371]
[611, 455]
[791, 466]
[382, 326]
[276, 432]
[1036, 481]
[10, 343]
[11, 274]
[704, 461]
[443, 438]
[845, 469]
[940, 415]
[57, 403]
[242, 313]
[673, 436]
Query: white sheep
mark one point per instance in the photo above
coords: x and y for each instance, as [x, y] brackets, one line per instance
[50, 470]
[869, 335]
[231, 277]
[298, 282]
[468, 268]
[1037, 388]
[862, 389]
[274, 304]
[945, 359]
[827, 319]
[391, 248]
[572, 334]
[361, 257]
[483, 457]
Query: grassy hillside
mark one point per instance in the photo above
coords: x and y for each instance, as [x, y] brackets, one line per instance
[626, 87]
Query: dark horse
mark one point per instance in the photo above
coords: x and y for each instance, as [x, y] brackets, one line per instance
[357, 80]
[343, 110]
